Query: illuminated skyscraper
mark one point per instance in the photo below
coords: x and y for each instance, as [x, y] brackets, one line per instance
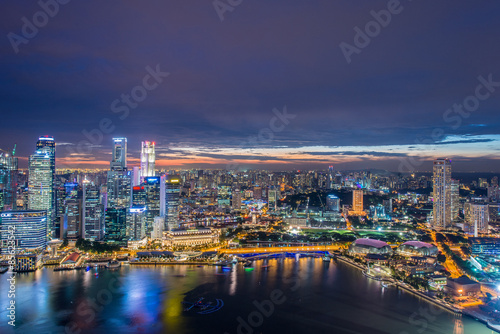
[172, 196]
[92, 212]
[41, 184]
[236, 199]
[442, 194]
[119, 159]
[8, 181]
[115, 229]
[73, 217]
[357, 201]
[333, 203]
[148, 159]
[455, 199]
[119, 180]
[477, 217]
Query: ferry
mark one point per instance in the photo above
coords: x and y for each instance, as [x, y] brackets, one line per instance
[3, 270]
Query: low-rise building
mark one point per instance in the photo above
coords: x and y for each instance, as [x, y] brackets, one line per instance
[463, 286]
[192, 237]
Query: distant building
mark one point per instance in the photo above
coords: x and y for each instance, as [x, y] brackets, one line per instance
[92, 213]
[357, 202]
[158, 228]
[442, 214]
[455, 200]
[115, 225]
[236, 199]
[332, 203]
[119, 158]
[136, 223]
[73, 217]
[477, 216]
[28, 229]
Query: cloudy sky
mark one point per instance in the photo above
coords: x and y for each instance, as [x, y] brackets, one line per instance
[234, 71]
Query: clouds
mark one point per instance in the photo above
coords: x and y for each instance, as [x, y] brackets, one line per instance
[226, 77]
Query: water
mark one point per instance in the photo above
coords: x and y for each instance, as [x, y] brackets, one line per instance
[305, 296]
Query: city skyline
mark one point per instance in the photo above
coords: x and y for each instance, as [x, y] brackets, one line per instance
[212, 84]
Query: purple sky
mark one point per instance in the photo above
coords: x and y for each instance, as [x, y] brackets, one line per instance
[226, 77]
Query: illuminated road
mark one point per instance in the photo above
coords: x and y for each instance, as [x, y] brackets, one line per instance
[280, 249]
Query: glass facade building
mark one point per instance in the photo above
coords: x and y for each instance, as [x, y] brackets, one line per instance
[28, 229]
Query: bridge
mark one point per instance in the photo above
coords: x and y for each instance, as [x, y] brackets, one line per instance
[292, 249]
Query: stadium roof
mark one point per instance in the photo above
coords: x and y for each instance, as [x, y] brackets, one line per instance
[371, 243]
[418, 244]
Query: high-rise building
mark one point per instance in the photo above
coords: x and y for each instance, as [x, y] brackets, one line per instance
[477, 217]
[332, 203]
[357, 201]
[158, 228]
[272, 199]
[119, 159]
[257, 193]
[41, 184]
[73, 219]
[119, 188]
[172, 198]
[28, 228]
[148, 159]
[442, 193]
[92, 213]
[8, 181]
[455, 199]
[483, 183]
[115, 225]
[236, 199]
[136, 223]
[155, 200]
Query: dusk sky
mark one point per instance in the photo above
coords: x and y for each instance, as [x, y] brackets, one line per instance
[226, 76]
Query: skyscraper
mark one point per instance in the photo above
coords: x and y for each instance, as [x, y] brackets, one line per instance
[41, 184]
[455, 199]
[357, 201]
[147, 159]
[73, 217]
[236, 201]
[115, 229]
[119, 159]
[442, 193]
[119, 180]
[8, 181]
[172, 196]
[92, 212]
[332, 203]
[477, 217]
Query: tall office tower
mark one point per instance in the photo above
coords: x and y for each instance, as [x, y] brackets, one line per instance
[236, 202]
[357, 201]
[73, 226]
[138, 196]
[8, 181]
[41, 185]
[136, 223]
[158, 226]
[172, 197]
[148, 159]
[154, 201]
[92, 212]
[119, 159]
[494, 181]
[49, 143]
[493, 193]
[119, 188]
[272, 199]
[455, 199]
[136, 179]
[29, 229]
[257, 192]
[442, 193]
[115, 225]
[332, 203]
[477, 217]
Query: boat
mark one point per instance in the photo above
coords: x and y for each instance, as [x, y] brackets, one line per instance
[385, 285]
[3, 270]
[234, 260]
[247, 264]
[113, 264]
[326, 258]
[88, 268]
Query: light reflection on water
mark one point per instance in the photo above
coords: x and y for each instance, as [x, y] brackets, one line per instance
[330, 297]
